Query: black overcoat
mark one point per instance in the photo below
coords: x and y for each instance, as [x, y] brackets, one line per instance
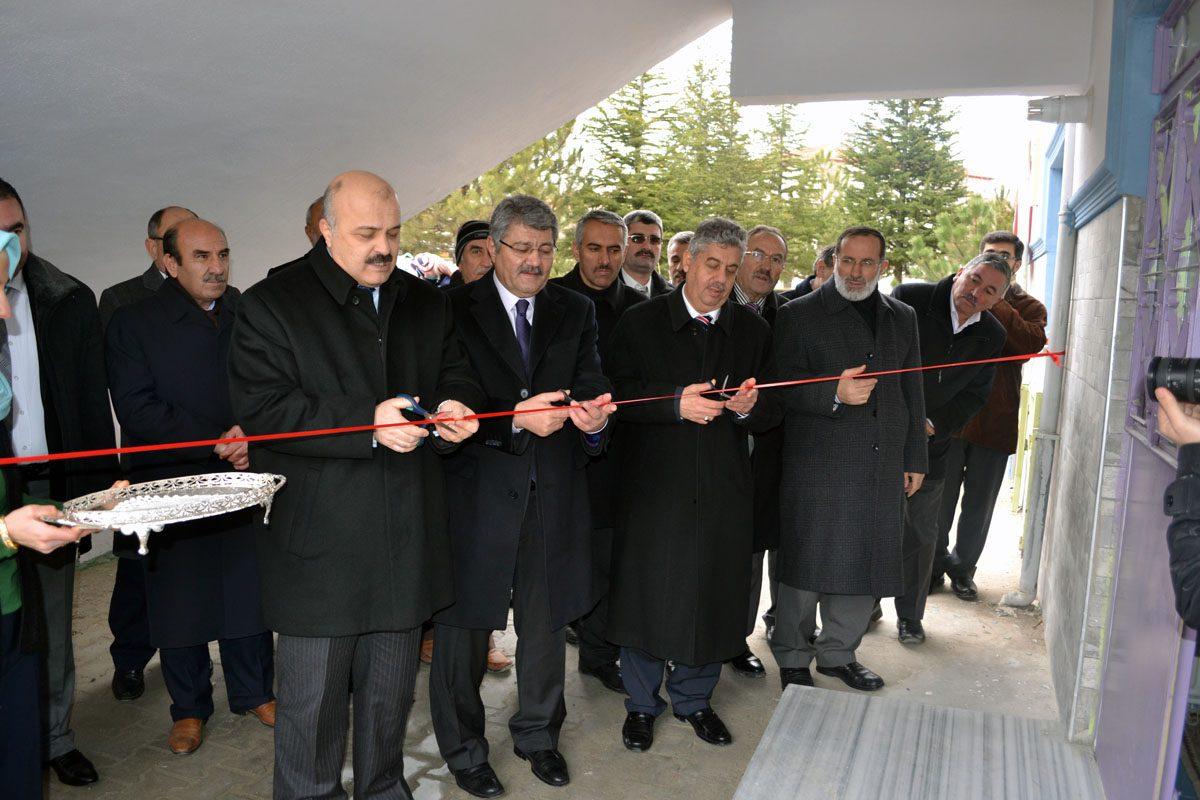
[842, 487]
[681, 552]
[167, 376]
[952, 396]
[357, 538]
[766, 461]
[488, 479]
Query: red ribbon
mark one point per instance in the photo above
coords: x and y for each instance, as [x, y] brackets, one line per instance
[1056, 357]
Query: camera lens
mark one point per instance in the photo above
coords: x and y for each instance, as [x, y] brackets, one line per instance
[1179, 376]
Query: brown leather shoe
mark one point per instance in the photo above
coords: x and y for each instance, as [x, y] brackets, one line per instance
[265, 713]
[186, 736]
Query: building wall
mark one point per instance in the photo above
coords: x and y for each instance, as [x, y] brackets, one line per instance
[1079, 553]
[1090, 152]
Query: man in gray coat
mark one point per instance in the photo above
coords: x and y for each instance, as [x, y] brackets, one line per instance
[853, 449]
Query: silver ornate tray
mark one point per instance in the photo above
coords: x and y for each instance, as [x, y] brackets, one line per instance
[143, 508]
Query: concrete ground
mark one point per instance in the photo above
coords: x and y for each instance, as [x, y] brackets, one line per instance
[978, 656]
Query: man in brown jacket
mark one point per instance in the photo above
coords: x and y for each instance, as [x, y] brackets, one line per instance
[978, 457]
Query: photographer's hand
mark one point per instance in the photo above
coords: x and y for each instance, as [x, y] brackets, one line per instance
[1179, 422]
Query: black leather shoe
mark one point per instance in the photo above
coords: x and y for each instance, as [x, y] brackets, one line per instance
[877, 612]
[937, 582]
[748, 665]
[480, 781]
[548, 765]
[854, 675]
[573, 635]
[74, 769]
[608, 674]
[638, 731]
[799, 676]
[708, 726]
[964, 589]
[910, 631]
[128, 684]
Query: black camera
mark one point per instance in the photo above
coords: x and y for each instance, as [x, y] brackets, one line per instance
[1179, 376]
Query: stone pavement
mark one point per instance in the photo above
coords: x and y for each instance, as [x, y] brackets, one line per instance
[978, 656]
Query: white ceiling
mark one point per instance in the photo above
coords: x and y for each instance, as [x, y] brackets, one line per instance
[243, 111]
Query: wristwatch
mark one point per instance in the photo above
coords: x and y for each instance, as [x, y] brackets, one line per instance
[4, 537]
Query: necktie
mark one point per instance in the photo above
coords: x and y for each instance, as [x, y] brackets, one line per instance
[524, 329]
[211, 313]
[704, 320]
[753, 307]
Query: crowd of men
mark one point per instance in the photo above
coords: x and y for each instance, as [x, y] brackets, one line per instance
[629, 500]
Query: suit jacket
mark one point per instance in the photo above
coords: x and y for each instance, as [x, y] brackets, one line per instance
[357, 539]
[129, 291]
[74, 387]
[766, 460]
[952, 396]
[610, 304]
[167, 373]
[682, 547]
[489, 478]
[842, 490]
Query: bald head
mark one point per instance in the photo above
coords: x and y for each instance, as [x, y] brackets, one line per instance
[361, 226]
[159, 222]
[196, 253]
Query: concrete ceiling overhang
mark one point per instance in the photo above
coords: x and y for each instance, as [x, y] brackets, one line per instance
[243, 111]
[786, 51]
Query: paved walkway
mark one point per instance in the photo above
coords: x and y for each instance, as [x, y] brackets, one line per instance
[978, 656]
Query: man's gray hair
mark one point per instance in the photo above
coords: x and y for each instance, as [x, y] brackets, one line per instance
[719, 231]
[645, 217]
[757, 229]
[603, 216]
[523, 209]
[683, 237]
[993, 260]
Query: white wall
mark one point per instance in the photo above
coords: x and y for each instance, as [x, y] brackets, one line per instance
[1089, 151]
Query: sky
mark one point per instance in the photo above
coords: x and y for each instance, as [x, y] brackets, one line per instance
[991, 130]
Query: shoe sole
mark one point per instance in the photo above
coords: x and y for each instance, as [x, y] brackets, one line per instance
[717, 743]
[636, 748]
[479, 794]
[911, 640]
[525, 758]
[753, 674]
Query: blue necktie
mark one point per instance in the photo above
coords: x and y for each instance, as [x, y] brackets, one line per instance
[524, 329]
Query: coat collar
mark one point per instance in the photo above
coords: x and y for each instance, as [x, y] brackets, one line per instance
[680, 317]
[338, 282]
[47, 284]
[489, 312]
[833, 302]
[181, 306]
[611, 295]
[152, 278]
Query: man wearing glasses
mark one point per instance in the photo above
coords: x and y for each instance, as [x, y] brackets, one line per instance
[978, 456]
[520, 524]
[754, 288]
[640, 270]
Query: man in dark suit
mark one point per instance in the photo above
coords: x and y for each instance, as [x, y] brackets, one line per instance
[853, 449]
[954, 325]
[356, 556]
[640, 269]
[822, 270]
[131, 650]
[754, 288]
[520, 523]
[681, 554]
[60, 402]
[599, 249]
[167, 356]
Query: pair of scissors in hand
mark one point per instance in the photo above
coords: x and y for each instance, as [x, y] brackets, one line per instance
[416, 408]
[724, 393]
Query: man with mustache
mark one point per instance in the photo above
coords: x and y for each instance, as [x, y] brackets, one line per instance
[167, 357]
[520, 524]
[470, 250]
[853, 449]
[754, 288]
[599, 249]
[640, 269]
[681, 553]
[675, 250]
[954, 325]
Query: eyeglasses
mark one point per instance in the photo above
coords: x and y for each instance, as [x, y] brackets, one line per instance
[524, 249]
[759, 255]
[640, 238]
[866, 263]
[1004, 254]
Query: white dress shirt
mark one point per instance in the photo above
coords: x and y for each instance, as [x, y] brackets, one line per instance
[28, 413]
[632, 283]
[509, 301]
[716, 312]
[955, 325]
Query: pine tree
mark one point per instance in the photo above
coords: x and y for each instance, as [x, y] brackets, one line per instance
[957, 234]
[627, 134]
[903, 173]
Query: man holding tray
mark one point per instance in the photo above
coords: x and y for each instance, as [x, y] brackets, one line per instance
[356, 555]
[167, 356]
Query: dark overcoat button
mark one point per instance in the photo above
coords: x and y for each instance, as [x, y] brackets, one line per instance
[524, 394]
[512, 493]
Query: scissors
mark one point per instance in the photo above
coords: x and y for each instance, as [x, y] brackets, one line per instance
[724, 393]
[416, 408]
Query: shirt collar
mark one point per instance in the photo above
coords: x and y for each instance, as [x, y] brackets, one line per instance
[954, 325]
[693, 313]
[633, 283]
[743, 298]
[507, 298]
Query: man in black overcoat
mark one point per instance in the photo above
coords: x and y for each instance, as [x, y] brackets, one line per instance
[853, 449]
[167, 359]
[954, 325]
[520, 521]
[131, 650]
[356, 555]
[599, 249]
[682, 553]
[764, 262]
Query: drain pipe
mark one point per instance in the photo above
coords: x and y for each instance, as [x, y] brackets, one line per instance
[1046, 439]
